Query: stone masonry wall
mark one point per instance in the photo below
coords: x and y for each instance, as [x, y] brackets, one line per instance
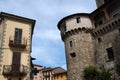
[111, 39]
[83, 47]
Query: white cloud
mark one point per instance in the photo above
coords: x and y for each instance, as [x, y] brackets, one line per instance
[48, 57]
[48, 35]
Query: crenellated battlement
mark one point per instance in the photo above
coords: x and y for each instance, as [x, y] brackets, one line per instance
[106, 27]
[75, 31]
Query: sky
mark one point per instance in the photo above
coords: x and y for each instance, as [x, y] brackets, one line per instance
[47, 46]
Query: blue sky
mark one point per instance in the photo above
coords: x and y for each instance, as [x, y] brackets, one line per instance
[47, 48]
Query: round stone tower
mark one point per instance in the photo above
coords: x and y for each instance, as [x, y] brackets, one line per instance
[79, 46]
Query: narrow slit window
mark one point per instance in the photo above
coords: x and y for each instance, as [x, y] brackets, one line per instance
[78, 20]
[71, 44]
[95, 24]
[119, 31]
[110, 53]
[99, 40]
[100, 22]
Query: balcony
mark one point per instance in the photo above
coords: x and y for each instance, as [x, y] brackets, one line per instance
[107, 26]
[9, 70]
[17, 43]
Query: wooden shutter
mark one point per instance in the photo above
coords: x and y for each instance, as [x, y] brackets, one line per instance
[16, 61]
[18, 35]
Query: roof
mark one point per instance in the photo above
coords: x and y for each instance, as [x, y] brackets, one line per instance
[11, 16]
[65, 72]
[47, 69]
[58, 70]
[38, 65]
[70, 16]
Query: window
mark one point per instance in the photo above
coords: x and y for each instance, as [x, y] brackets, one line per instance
[78, 20]
[99, 40]
[95, 24]
[117, 14]
[110, 53]
[71, 44]
[73, 55]
[18, 35]
[100, 22]
[119, 31]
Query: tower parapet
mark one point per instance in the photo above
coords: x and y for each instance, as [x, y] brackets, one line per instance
[106, 27]
[75, 23]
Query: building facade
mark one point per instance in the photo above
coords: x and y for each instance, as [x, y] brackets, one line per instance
[47, 73]
[60, 76]
[57, 73]
[15, 47]
[92, 39]
[39, 75]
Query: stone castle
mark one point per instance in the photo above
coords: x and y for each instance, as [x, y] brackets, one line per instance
[92, 39]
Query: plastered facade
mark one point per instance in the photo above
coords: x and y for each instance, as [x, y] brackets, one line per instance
[8, 26]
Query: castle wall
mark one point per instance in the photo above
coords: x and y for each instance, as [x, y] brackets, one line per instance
[79, 45]
[108, 40]
[101, 47]
[83, 48]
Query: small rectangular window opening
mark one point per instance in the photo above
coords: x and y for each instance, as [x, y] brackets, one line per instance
[110, 53]
[73, 55]
[119, 31]
[95, 24]
[78, 19]
[71, 43]
[99, 40]
[100, 22]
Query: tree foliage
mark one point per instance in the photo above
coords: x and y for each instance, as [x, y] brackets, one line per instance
[90, 71]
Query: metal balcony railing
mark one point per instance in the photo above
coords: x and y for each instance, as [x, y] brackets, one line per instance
[8, 70]
[17, 43]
